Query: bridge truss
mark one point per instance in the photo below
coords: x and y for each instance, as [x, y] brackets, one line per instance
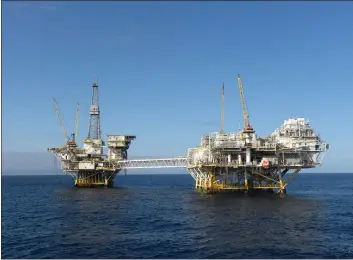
[178, 162]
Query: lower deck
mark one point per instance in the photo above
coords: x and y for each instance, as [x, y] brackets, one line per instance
[209, 178]
[218, 179]
[94, 179]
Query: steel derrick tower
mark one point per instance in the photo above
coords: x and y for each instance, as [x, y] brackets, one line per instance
[94, 128]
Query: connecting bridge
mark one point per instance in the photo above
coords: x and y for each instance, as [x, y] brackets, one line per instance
[179, 162]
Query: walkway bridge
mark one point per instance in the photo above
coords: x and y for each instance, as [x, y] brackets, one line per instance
[178, 162]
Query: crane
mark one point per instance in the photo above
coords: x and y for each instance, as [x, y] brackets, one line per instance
[76, 122]
[247, 126]
[71, 141]
[60, 120]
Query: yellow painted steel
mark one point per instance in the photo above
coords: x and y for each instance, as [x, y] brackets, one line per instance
[87, 180]
[207, 181]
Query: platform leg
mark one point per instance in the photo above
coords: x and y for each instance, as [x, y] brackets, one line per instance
[246, 184]
[282, 190]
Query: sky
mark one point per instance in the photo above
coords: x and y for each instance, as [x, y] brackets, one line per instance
[161, 65]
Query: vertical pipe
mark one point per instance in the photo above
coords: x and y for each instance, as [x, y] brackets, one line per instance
[246, 180]
[282, 189]
[239, 159]
[248, 156]
[209, 148]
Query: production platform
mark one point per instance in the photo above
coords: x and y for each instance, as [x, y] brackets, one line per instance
[239, 161]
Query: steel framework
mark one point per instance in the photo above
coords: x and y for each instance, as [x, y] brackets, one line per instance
[179, 162]
[94, 129]
[216, 179]
[225, 177]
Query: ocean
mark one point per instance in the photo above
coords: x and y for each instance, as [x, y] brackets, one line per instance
[163, 216]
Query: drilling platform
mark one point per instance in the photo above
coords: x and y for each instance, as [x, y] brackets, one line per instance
[88, 165]
[239, 161]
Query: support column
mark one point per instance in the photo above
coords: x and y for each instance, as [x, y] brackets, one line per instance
[248, 156]
[240, 160]
[282, 190]
[246, 181]
[211, 183]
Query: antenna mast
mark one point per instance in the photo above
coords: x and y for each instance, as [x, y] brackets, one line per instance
[222, 110]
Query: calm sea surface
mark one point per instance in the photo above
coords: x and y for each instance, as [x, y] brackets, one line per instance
[163, 216]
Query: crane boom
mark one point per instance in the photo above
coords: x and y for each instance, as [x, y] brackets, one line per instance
[245, 111]
[76, 121]
[60, 119]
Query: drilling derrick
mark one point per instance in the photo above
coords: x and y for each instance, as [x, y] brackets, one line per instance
[88, 165]
[94, 130]
[93, 144]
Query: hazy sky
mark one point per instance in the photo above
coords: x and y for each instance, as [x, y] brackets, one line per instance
[161, 66]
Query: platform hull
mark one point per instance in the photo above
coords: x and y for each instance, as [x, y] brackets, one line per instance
[94, 179]
[213, 179]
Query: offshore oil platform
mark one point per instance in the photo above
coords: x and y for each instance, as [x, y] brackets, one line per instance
[239, 161]
[88, 165]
